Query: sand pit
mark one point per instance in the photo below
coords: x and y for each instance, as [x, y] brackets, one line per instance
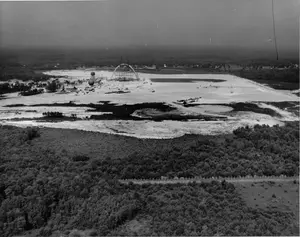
[214, 93]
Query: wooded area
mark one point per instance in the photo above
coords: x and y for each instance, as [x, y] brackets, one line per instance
[47, 190]
[262, 150]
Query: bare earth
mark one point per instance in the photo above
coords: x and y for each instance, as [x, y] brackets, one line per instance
[232, 89]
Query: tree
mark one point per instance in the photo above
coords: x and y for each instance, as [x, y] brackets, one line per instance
[52, 86]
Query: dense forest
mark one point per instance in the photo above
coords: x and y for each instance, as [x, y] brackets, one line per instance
[49, 190]
[261, 150]
[55, 202]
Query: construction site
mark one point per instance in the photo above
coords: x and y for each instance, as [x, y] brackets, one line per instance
[119, 101]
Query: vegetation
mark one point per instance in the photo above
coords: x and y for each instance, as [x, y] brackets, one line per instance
[47, 188]
[278, 79]
[290, 106]
[262, 150]
[28, 64]
[53, 114]
[31, 133]
[246, 106]
[12, 68]
[20, 73]
[51, 201]
[57, 116]
[32, 92]
[52, 86]
[80, 158]
[7, 88]
[297, 93]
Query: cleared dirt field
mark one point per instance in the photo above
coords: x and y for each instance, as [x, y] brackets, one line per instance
[213, 93]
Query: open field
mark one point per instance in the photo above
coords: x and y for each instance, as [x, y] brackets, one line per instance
[272, 195]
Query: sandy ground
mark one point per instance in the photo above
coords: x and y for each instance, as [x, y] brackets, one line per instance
[233, 89]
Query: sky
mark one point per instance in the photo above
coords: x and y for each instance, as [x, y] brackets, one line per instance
[122, 23]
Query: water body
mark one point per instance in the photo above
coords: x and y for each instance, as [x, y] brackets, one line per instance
[144, 111]
[185, 80]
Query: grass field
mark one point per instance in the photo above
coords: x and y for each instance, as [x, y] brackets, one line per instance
[279, 196]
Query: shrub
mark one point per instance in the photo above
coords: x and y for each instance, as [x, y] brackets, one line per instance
[31, 92]
[52, 86]
[10, 88]
[53, 114]
[93, 233]
[67, 232]
[45, 231]
[75, 233]
[80, 158]
[32, 133]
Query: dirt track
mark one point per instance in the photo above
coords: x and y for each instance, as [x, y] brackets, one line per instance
[241, 180]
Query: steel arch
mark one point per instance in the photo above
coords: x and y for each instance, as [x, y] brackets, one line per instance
[125, 65]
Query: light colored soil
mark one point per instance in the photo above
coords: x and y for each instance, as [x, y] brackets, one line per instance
[233, 89]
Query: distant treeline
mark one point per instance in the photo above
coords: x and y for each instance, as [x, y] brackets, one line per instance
[277, 79]
[8, 88]
[26, 89]
[21, 73]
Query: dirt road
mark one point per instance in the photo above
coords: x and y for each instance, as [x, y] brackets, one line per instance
[229, 180]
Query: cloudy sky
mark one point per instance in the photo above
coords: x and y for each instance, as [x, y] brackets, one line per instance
[110, 23]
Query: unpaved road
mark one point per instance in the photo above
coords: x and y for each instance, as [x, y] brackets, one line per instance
[242, 180]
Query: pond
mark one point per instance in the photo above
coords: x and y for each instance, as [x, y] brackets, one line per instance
[185, 80]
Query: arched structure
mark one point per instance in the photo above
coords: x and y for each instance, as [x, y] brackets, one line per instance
[124, 72]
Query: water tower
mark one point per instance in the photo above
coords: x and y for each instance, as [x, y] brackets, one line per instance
[92, 79]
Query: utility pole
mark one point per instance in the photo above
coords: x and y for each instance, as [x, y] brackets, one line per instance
[274, 30]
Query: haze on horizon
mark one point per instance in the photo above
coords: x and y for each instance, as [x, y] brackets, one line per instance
[149, 23]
